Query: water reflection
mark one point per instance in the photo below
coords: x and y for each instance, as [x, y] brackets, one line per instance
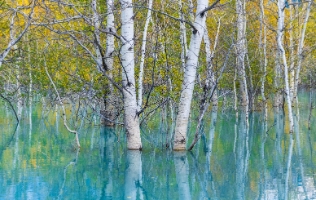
[242, 155]
[278, 176]
[182, 174]
[107, 154]
[133, 175]
[240, 160]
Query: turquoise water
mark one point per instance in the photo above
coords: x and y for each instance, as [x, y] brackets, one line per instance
[38, 159]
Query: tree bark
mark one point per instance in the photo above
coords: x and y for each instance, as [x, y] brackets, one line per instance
[179, 143]
[292, 58]
[263, 53]
[109, 100]
[278, 82]
[183, 37]
[300, 50]
[241, 53]
[128, 79]
[280, 32]
[210, 75]
[143, 54]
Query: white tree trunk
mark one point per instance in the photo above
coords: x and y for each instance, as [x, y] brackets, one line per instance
[110, 38]
[30, 87]
[278, 98]
[179, 143]
[300, 50]
[19, 94]
[109, 51]
[241, 52]
[292, 63]
[143, 54]
[127, 58]
[96, 23]
[281, 6]
[183, 37]
[264, 61]
[210, 77]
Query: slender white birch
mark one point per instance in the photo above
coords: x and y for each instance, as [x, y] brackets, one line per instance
[183, 37]
[109, 51]
[241, 53]
[128, 79]
[19, 94]
[263, 52]
[16, 36]
[292, 57]
[300, 50]
[278, 97]
[30, 86]
[210, 77]
[280, 32]
[179, 143]
[142, 59]
[235, 93]
[97, 23]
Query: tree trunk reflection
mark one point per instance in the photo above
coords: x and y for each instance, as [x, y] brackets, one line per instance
[182, 174]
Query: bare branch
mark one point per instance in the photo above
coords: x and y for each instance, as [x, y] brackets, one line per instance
[62, 105]
[172, 17]
[208, 8]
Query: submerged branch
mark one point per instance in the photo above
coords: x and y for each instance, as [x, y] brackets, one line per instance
[197, 135]
[62, 105]
[7, 100]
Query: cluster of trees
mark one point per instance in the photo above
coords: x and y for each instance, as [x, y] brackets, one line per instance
[132, 58]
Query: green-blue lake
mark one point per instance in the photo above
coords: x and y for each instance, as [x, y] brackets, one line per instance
[231, 161]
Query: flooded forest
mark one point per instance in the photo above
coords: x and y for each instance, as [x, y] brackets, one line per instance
[153, 99]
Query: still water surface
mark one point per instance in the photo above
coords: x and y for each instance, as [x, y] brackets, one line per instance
[231, 161]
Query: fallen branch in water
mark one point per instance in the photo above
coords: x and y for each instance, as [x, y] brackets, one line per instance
[7, 100]
[63, 108]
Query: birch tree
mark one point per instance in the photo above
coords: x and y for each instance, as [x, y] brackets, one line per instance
[142, 60]
[179, 143]
[109, 51]
[241, 53]
[281, 51]
[300, 50]
[16, 33]
[183, 36]
[131, 117]
[263, 56]
[19, 19]
[292, 57]
[210, 77]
